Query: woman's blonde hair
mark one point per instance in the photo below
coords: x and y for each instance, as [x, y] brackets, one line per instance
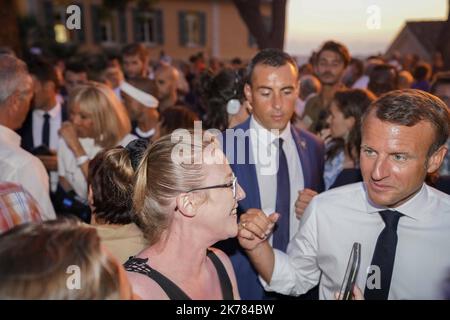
[164, 173]
[40, 261]
[111, 121]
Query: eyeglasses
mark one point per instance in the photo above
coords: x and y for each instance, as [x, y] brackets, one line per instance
[231, 185]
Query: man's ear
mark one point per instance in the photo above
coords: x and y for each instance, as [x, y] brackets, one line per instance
[248, 93]
[186, 204]
[435, 160]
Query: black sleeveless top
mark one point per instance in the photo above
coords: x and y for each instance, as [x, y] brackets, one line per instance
[171, 289]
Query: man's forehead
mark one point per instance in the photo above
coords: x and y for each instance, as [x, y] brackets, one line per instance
[378, 132]
[264, 73]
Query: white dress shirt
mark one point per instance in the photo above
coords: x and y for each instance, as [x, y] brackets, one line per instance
[336, 219]
[20, 166]
[55, 124]
[67, 163]
[264, 153]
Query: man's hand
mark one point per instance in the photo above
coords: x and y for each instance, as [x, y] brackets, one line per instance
[50, 162]
[304, 198]
[255, 227]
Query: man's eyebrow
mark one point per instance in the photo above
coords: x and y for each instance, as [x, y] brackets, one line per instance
[264, 87]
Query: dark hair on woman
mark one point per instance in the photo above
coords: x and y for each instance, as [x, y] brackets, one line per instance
[176, 117]
[218, 90]
[111, 177]
[352, 103]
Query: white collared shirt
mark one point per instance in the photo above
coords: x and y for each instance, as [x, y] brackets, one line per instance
[265, 157]
[55, 125]
[335, 219]
[67, 162]
[20, 166]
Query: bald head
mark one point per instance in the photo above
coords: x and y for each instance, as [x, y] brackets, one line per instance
[166, 82]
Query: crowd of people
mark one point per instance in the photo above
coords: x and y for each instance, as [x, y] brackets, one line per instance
[130, 179]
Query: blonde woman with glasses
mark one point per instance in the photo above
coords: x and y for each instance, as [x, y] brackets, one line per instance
[184, 206]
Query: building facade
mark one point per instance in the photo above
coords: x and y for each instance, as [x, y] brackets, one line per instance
[180, 28]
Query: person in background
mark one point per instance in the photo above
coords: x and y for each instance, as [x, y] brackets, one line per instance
[98, 120]
[166, 78]
[16, 164]
[135, 61]
[68, 263]
[138, 96]
[224, 99]
[111, 179]
[17, 206]
[184, 205]
[329, 66]
[173, 118]
[405, 80]
[285, 160]
[383, 78]
[309, 87]
[75, 74]
[422, 75]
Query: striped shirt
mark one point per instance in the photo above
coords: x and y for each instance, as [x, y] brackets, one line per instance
[17, 206]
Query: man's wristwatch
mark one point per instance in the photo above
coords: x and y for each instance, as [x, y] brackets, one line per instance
[81, 160]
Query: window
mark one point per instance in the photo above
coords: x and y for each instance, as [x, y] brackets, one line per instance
[149, 27]
[106, 31]
[62, 34]
[192, 29]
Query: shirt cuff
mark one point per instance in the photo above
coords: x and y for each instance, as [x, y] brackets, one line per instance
[281, 280]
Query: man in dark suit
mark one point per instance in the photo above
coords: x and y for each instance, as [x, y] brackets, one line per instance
[40, 130]
[272, 160]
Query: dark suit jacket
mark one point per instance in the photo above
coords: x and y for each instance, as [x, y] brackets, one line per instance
[311, 154]
[26, 132]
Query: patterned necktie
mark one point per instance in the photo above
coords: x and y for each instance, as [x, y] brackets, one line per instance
[384, 257]
[281, 233]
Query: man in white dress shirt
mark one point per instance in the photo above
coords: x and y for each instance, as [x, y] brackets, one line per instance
[16, 164]
[403, 139]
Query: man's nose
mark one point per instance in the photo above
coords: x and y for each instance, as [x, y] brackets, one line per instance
[277, 101]
[380, 169]
[240, 193]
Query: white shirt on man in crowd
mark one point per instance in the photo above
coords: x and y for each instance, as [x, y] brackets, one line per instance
[336, 219]
[20, 166]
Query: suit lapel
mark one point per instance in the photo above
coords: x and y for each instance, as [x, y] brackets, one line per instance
[302, 149]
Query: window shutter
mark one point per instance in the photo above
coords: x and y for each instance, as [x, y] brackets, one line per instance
[136, 26]
[122, 26]
[95, 14]
[202, 19]
[182, 28]
[159, 27]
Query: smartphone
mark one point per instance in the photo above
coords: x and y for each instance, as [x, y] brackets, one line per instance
[351, 273]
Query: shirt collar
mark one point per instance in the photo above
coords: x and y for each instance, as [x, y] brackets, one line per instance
[145, 134]
[266, 137]
[9, 136]
[414, 208]
[53, 112]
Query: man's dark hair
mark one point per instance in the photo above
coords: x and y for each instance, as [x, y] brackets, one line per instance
[383, 78]
[44, 72]
[408, 107]
[422, 71]
[336, 47]
[136, 49]
[76, 67]
[440, 78]
[270, 57]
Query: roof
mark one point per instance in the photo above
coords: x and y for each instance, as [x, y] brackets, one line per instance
[426, 32]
